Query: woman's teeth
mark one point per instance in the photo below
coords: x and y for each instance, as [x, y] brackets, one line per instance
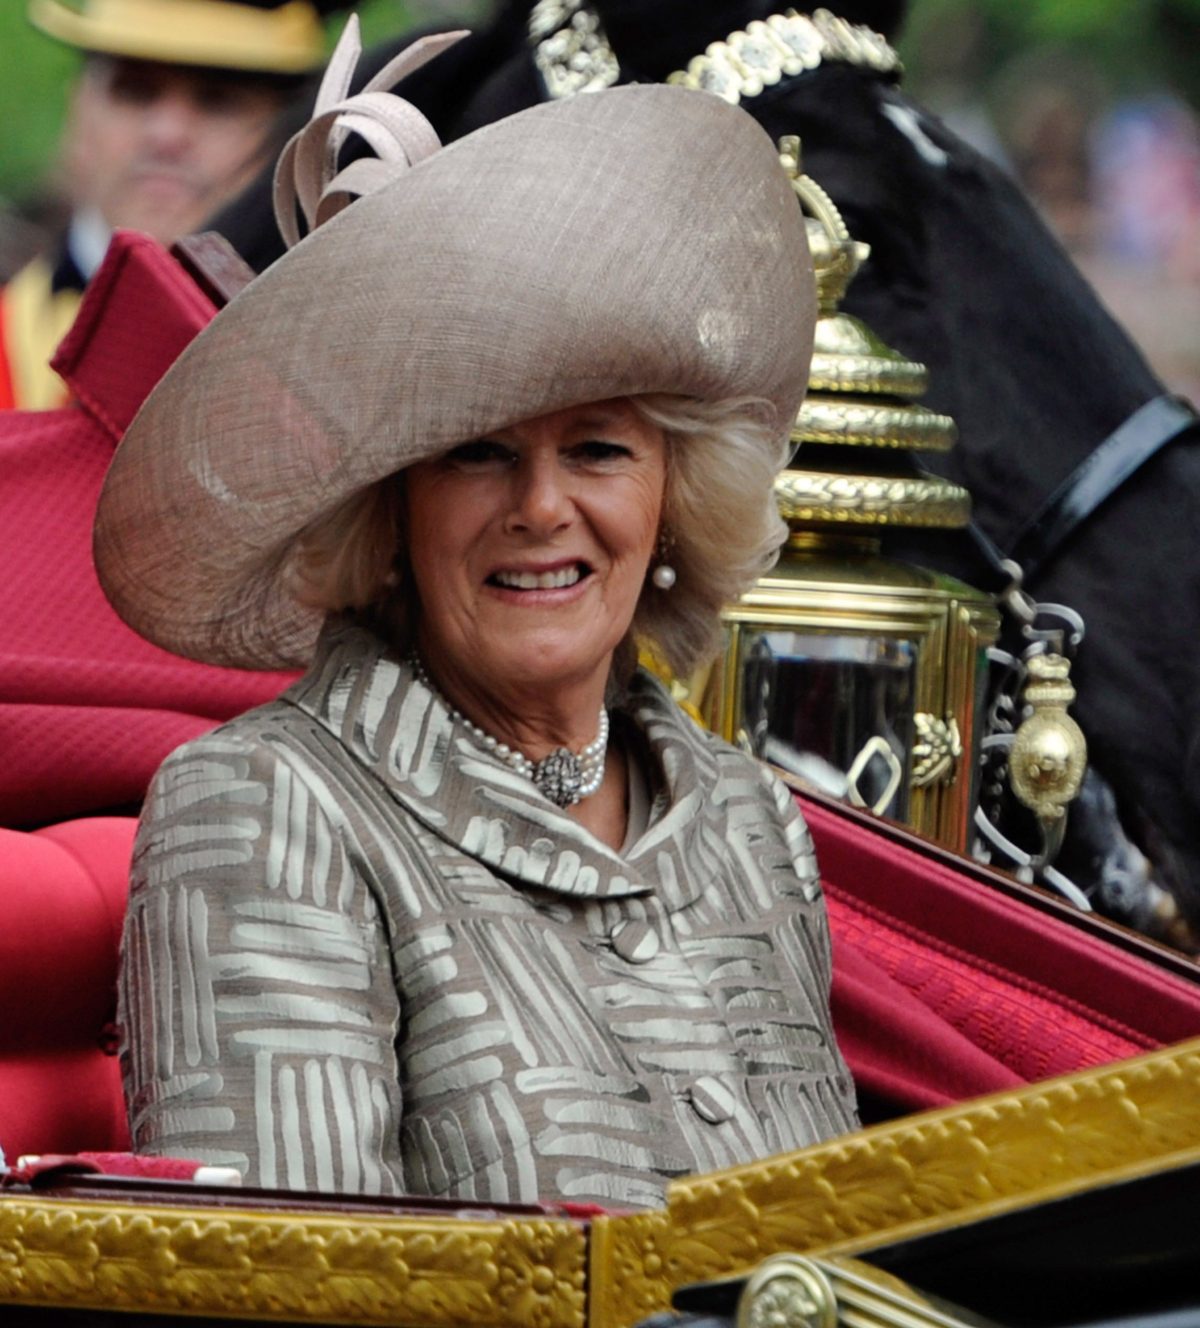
[565, 576]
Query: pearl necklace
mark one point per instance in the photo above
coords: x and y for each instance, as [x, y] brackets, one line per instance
[562, 776]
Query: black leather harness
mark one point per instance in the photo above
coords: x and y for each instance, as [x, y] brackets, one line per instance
[1162, 420]
[1098, 476]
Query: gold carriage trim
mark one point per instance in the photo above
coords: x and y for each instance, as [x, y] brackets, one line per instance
[899, 1180]
[865, 423]
[887, 1183]
[871, 500]
[302, 1267]
[784, 45]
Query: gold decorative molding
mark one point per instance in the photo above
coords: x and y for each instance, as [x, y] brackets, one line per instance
[629, 1275]
[780, 47]
[936, 750]
[865, 423]
[843, 1197]
[871, 500]
[869, 370]
[445, 1273]
[919, 1174]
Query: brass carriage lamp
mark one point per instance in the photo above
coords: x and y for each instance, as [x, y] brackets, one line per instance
[863, 674]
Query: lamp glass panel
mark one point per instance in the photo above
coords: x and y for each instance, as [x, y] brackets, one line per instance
[825, 704]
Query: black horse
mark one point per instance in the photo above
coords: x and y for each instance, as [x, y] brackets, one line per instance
[964, 277]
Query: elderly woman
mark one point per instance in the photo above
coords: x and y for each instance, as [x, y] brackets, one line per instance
[473, 910]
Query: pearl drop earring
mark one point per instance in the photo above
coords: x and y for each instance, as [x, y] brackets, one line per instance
[663, 575]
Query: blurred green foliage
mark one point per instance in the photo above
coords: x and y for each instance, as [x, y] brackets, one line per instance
[35, 82]
[35, 74]
[1135, 45]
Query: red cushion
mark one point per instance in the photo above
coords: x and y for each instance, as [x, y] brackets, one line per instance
[64, 892]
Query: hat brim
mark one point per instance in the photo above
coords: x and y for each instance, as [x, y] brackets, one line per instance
[639, 240]
[207, 33]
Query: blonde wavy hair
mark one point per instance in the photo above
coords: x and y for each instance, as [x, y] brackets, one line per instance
[720, 525]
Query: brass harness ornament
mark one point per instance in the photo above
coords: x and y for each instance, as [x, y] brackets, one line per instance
[570, 49]
[1048, 756]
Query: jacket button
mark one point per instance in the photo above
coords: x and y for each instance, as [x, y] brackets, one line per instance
[712, 1100]
[634, 941]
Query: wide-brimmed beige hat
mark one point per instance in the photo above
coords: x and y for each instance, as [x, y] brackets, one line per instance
[281, 38]
[641, 239]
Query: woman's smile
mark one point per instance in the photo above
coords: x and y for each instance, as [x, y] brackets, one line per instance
[528, 580]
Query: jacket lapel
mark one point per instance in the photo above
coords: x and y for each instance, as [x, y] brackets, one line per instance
[401, 732]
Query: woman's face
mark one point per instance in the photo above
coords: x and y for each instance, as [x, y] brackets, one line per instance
[529, 548]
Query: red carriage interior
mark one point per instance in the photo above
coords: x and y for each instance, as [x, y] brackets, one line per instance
[950, 981]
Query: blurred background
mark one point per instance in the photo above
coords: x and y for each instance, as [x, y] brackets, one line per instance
[36, 76]
[1093, 105]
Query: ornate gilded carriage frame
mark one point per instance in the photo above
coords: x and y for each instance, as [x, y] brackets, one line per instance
[905, 1178]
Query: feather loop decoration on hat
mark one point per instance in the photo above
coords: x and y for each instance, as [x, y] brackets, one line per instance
[398, 134]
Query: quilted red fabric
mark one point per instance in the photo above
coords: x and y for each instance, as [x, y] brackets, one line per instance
[946, 988]
[88, 709]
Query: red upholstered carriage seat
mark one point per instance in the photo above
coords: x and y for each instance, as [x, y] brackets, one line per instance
[945, 987]
[88, 709]
[63, 895]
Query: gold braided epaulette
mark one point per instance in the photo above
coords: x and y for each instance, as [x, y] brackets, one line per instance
[573, 54]
[746, 63]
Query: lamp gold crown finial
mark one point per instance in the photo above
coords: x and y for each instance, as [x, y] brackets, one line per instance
[861, 396]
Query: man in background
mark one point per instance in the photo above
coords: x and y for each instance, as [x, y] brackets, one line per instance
[176, 107]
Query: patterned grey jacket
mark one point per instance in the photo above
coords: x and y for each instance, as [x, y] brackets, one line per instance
[362, 955]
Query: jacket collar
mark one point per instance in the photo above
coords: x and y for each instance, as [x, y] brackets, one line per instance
[401, 732]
